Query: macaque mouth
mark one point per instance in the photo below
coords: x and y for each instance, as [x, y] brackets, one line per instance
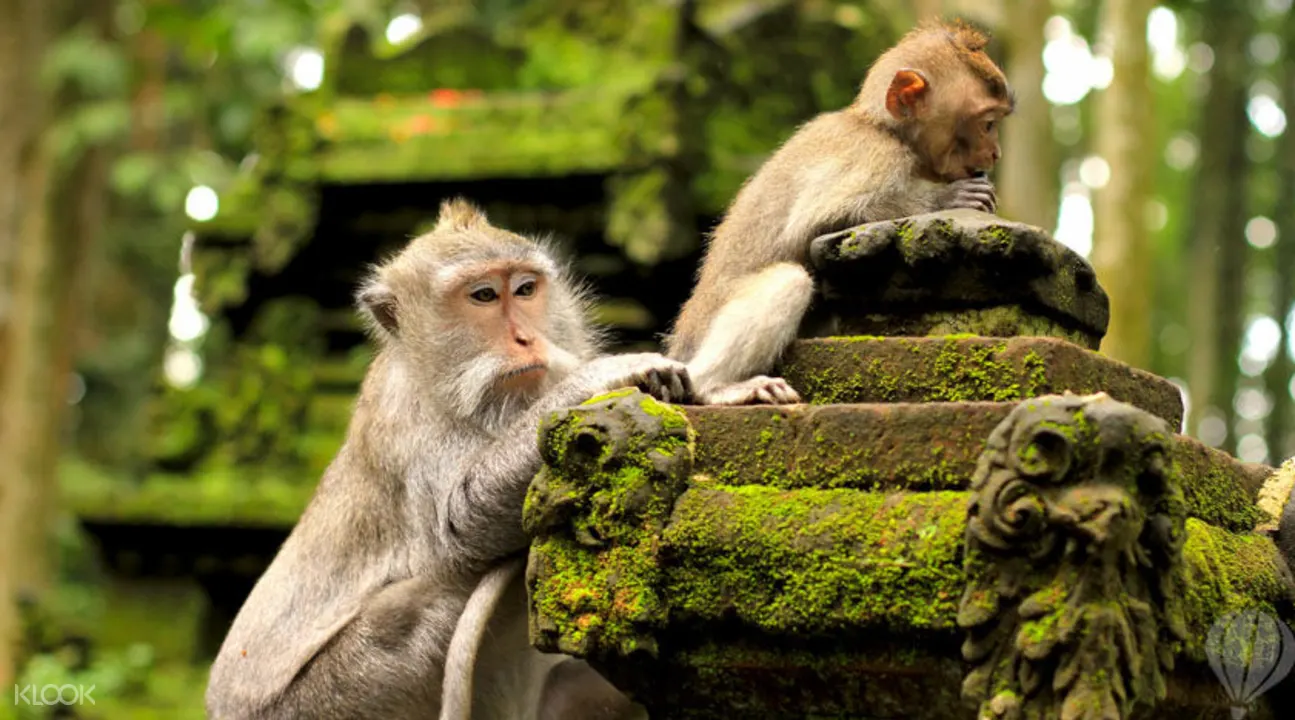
[519, 371]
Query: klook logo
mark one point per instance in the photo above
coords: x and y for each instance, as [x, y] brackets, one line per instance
[38, 695]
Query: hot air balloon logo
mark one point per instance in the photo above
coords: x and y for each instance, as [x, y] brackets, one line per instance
[1250, 652]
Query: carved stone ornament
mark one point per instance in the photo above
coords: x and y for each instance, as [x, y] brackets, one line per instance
[612, 470]
[1074, 541]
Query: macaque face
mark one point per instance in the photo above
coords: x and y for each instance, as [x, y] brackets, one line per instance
[975, 141]
[506, 306]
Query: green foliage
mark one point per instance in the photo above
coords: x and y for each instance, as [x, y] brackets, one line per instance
[116, 674]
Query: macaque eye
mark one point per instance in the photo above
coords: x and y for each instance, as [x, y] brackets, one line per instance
[484, 295]
[526, 289]
[989, 126]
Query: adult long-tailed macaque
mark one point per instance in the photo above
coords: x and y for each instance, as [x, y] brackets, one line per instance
[919, 137]
[480, 335]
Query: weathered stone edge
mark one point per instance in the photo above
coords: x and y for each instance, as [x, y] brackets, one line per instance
[918, 446]
[1045, 272]
[968, 368]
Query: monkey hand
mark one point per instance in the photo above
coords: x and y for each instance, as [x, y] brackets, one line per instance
[973, 193]
[759, 390]
[654, 374]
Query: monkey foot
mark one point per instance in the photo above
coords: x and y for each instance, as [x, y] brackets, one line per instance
[759, 390]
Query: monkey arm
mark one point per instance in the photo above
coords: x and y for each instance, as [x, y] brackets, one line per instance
[480, 516]
[481, 512]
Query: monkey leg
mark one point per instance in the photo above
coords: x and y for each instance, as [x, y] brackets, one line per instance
[387, 662]
[748, 335]
[575, 690]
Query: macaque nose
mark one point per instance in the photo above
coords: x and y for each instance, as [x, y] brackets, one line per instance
[522, 336]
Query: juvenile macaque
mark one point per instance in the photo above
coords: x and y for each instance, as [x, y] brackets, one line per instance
[919, 137]
[480, 335]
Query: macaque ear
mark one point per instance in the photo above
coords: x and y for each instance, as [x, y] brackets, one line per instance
[906, 89]
[379, 303]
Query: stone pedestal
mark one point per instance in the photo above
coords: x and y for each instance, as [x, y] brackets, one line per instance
[1000, 525]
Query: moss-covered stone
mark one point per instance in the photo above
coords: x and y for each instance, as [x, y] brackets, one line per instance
[954, 261]
[613, 467]
[1226, 572]
[809, 562]
[904, 446]
[1000, 321]
[966, 368]
[764, 586]
[420, 138]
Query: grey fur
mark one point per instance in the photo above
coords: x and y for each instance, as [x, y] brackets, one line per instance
[354, 617]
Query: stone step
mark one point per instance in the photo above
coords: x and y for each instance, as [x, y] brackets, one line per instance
[967, 368]
[912, 446]
[856, 595]
[815, 562]
[828, 561]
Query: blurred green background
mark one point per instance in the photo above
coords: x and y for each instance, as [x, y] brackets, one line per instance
[189, 190]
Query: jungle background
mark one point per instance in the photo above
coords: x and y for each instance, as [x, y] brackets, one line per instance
[189, 190]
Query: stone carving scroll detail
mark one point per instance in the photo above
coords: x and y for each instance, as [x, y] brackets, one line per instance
[613, 468]
[1074, 540]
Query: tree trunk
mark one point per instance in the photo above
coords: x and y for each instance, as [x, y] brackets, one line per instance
[1217, 231]
[1124, 132]
[52, 225]
[1027, 174]
[24, 171]
[1278, 376]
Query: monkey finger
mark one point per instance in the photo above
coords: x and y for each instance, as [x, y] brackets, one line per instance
[687, 393]
[786, 395]
[642, 381]
[975, 185]
[657, 386]
[982, 200]
[675, 389]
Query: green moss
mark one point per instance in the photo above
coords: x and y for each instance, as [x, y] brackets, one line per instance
[1225, 572]
[905, 231]
[407, 138]
[959, 371]
[774, 448]
[586, 601]
[613, 468]
[1213, 493]
[809, 561]
[998, 237]
[962, 367]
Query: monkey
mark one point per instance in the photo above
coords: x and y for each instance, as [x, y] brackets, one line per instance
[920, 136]
[480, 333]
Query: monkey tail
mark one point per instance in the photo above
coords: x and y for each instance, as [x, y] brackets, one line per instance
[460, 659]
